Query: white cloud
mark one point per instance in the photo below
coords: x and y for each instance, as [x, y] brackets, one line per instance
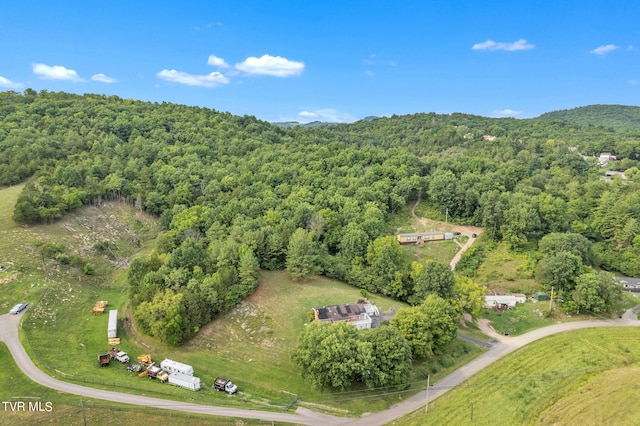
[307, 114]
[55, 72]
[5, 82]
[217, 62]
[210, 80]
[601, 50]
[103, 78]
[510, 47]
[276, 66]
[506, 113]
[326, 114]
[369, 73]
[634, 82]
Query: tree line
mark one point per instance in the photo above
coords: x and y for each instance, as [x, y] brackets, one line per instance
[236, 194]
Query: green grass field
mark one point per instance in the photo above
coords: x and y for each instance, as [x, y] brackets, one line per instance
[587, 377]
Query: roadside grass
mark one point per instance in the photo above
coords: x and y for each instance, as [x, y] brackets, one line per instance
[49, 406]
[471, 329]
[523, 318]
[585, 377]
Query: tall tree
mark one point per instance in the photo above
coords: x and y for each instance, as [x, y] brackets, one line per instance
[332, 355]
[434, 278]
[469, 295]
[302, 255]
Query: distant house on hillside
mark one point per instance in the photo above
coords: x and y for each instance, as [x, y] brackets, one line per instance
[423, 237]
[488, 138]
[604, 158]
[357, 314]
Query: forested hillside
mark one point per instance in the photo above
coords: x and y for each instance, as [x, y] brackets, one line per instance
[616, 117]
[236, 194]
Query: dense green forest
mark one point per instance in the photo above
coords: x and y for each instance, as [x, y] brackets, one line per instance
[236, 194]
[617, 117]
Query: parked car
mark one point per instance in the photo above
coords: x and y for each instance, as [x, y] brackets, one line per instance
[473, 235]
[19, 308]
[457, 233]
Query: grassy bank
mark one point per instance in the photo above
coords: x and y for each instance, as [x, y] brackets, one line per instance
[585, 377]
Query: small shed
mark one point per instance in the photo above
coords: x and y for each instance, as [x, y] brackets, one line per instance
[541, 296]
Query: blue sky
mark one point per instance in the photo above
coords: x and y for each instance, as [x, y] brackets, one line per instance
[330, 60]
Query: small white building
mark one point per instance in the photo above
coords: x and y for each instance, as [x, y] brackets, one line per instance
[492, 301]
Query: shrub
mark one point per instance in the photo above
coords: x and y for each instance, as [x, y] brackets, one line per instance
[447, 361]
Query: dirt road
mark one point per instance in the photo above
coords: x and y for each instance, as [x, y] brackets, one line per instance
[468, 231]
[9, 334]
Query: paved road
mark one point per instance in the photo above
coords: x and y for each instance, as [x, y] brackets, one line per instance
[9, 334]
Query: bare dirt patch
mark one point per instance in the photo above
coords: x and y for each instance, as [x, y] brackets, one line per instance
[9, 279]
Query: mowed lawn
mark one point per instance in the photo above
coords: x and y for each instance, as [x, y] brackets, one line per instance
[586, 377]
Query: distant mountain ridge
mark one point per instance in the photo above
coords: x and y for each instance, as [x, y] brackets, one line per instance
[289, 124]
[617, 117]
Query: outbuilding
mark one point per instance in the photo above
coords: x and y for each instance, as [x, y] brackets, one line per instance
[500, 300]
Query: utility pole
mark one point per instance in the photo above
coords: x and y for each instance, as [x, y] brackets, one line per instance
[446, 218]
[426, 405]
[551, 300]
[84, 419]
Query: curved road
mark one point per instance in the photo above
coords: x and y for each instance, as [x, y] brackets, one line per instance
[9, 334]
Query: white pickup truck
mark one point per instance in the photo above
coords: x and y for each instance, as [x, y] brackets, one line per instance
[122, 357]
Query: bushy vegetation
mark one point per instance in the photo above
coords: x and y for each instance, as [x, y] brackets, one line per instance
[236, 194]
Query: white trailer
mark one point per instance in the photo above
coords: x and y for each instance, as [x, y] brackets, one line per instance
[184, 381]
[172, 367]
[112, 328]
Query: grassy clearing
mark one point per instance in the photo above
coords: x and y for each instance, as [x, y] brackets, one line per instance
[586, 377]
[506, 272]
[441, 251]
